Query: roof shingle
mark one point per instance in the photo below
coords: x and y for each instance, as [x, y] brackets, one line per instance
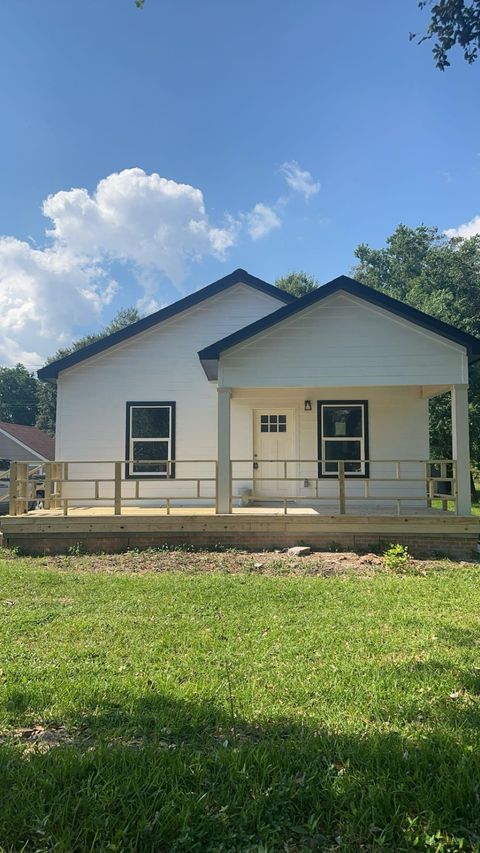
[37, 440]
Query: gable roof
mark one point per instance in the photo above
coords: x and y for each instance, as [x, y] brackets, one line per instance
[238, 276]
[209, 355]
[30, 437]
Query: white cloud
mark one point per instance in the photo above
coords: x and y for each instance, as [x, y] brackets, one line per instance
[143, 219]
[155, 226]
[43, 293]
[261, 220]
[468, 229]
[299, 179]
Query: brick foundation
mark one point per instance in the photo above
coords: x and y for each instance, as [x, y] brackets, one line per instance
[458, 546]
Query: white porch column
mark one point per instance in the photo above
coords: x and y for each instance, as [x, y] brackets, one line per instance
[224, 480]
[461, 447]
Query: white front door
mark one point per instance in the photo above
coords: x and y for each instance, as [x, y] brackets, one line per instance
[273, 445]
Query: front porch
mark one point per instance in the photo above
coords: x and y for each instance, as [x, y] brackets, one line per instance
[97, 507]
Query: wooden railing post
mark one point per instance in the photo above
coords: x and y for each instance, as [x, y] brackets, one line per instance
[443, 474]
[341, 487]
[22, 487]
[56, 474]
[12, 507]
[428, 484]
[118, 489]
[47, 485]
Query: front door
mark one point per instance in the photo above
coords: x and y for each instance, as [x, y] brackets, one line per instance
[273, 445]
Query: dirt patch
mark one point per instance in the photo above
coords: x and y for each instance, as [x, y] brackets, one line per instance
[39, 737]
[320, 563]
[42, 738]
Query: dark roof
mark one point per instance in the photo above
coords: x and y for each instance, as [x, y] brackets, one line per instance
[239, 276]
[36, 440]
[210, 355]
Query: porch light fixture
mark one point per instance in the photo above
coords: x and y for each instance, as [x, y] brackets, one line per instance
[307, 405]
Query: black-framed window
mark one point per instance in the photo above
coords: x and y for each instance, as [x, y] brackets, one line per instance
[343, 436]
[150, 440]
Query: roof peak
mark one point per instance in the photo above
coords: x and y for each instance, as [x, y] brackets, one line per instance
[209, 355]
[238, 276]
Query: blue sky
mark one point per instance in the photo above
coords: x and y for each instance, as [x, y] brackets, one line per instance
[217, 96]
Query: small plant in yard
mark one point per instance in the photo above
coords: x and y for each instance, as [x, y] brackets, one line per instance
[396, 557]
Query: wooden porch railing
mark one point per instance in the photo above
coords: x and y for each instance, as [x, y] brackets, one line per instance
[434, 472]
[58, 481]
[62, 490]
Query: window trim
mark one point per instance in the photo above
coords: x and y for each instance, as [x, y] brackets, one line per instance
[156, 475]
[363, 475]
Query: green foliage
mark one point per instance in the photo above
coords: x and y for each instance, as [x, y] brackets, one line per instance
[453, 22]
[297, 283]
[47, 393]
[440, 276]
[396, 557]
[18, 395]
[187, 712]
[47, 406]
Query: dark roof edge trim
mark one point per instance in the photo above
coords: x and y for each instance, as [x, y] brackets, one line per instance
[50, 372]
[354, 288]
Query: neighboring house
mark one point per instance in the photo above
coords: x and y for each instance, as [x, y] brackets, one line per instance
[19, 442]
[343, 374]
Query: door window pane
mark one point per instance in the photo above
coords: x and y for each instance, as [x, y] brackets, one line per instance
[273, 423]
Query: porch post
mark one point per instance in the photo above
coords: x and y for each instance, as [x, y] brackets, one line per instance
[461, 447]
[224, 480]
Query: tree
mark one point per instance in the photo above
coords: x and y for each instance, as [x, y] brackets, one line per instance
[440, 276]
[18, 395]
[47, 392]
[453, 22]
[297, 283]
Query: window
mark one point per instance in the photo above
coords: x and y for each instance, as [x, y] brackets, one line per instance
[343, 436]
[273, 423]
[150, 440]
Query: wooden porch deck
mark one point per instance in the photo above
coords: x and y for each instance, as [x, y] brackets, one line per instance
[425, 531]
[330, 510]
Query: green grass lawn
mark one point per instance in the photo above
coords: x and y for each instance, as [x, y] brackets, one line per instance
[437, 504]
[237, 711]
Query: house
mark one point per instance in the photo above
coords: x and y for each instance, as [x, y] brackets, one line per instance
[26, 443]
[240, 394]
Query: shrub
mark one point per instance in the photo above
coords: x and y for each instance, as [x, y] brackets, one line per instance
[396, 557]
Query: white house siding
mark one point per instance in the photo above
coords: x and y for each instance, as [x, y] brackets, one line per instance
[158, 365]
[343, 341]
[340, 349]
[398, 430]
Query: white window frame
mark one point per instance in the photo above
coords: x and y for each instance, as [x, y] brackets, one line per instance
[169, 472]
[344, 404]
